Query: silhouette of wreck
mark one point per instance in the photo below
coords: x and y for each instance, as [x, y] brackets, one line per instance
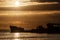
[39, 29]
[16, 29]
[51, 28]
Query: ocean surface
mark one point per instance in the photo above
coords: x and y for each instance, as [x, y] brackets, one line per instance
[28, 36]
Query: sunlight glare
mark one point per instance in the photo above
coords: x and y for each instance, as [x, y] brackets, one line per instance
[17, 3]
[16, 35]
[16, 39]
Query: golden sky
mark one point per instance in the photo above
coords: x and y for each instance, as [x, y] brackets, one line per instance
[17, 3]
[28, 19]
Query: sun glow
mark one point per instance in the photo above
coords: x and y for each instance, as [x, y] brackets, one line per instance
[17, 3]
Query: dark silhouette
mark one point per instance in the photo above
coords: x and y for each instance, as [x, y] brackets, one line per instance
[16, 29]
[39, 29]
[51, 28]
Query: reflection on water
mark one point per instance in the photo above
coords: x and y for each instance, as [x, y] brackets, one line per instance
[28, 36]
[22, 36]
[16, 35]
[16, 39]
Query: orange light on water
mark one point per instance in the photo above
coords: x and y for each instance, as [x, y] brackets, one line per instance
[16, 35]
[16, 39]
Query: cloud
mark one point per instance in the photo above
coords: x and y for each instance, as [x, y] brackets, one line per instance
[45, 0]
[42, 7]
[30, 21]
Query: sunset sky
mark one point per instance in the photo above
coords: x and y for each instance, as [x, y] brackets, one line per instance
[28, 19]
[18, 3]
[43, 13]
